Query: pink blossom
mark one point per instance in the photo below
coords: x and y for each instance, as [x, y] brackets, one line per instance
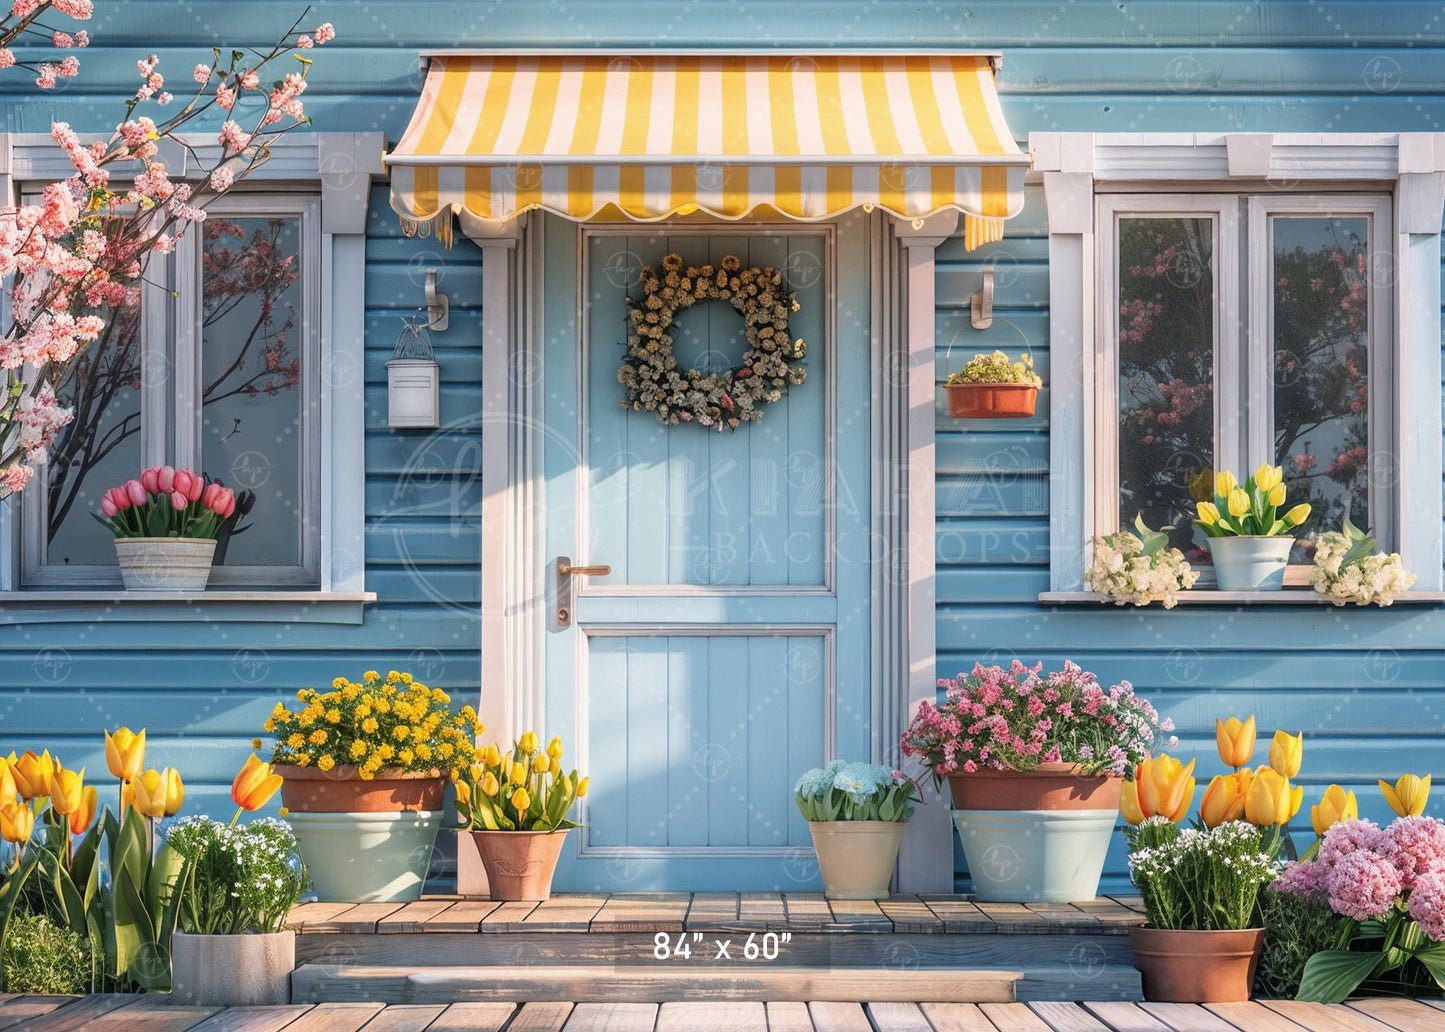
[225, 96]
[82, 39]
[1417, 846]
[1362, 885]
[248, 80]
[202, 74]
[63, 40]
[24, 8]
[7, 58]
[1427, 904]
[16, 477]
[233, 137]
[325, 33]
[1301, 878]
[221, 178]
[164, 99]
[80, 9]
[304, 43]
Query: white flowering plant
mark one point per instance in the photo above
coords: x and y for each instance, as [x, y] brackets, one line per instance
[1138, 568]
[1348, 569]
[844, 791]
[236, 879]
[1199, 879]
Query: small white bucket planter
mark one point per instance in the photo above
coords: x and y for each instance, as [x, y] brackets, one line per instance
[1250, 562]
[367, 857]
[232, 970]
[1035, 856]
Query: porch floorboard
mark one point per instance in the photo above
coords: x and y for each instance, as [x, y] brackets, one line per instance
[155, 1012]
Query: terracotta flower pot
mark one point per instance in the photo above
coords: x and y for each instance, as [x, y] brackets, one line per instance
[991, 400]
[341, 790]
[520, 864]
[1050, 786]
[856, 858]
[1196, 966]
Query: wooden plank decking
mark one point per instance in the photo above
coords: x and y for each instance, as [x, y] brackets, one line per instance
[124, 1013]
[650, 913]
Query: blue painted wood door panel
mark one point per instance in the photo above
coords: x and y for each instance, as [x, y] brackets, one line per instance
[728, 649]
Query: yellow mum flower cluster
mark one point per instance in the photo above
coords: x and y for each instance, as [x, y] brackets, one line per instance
[523, 789]
[379, 723]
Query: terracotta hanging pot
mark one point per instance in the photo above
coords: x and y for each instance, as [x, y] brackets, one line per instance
[520, 864]
[991, 400]
[1050, 786]
[1183, 966]
[341, 790]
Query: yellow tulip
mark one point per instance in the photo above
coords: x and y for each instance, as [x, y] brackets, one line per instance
[7, 784]
[17, 821]
[1201, 485]
[1267, 477]
[582, 787]
[521, 800]
[1223, 800]
[1224, 483]
[518, 773]
[175, 792]
[1238, 502]
[1408, 796]
[1208, 513]
[1276, 495]
[540, 763]
[1297, 515]
[1129, 803]
[490, 787]
[1269, 798]
[1286, 753]
[1296, 797]
[554, 768]
[554, 748]
[32, 774]
[82, 816]
[492, 756]
[254, 783]
[1166, 787]
[529, 742]
[66, 789]
[125, 753]
[1235, 740]
[148, 793]
[1336, 805]
[464, 793]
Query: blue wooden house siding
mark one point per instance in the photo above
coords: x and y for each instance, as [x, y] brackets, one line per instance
[1364, 686]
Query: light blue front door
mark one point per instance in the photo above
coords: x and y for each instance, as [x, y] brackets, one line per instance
[728, 649]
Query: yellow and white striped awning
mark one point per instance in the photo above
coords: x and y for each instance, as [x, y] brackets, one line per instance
[648, 137]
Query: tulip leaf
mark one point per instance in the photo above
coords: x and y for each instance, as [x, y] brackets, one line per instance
[1331, 975]
[133, 928]
[161, 890]
[82, 863]
[131, 850]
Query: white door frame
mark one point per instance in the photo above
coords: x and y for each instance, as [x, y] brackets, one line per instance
[903, 418]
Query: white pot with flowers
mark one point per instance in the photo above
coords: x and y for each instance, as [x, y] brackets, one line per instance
[165, 527]
[1249, 539]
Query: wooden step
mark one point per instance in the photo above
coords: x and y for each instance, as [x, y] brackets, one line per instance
[314, 983]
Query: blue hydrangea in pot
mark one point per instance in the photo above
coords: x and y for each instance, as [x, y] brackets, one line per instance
[855, 813]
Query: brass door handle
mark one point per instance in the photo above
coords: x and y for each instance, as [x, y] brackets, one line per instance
[562, 591]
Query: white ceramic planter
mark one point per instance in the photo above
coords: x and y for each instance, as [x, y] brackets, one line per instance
[1035, 856]
[165, 564]
[232, 970]
[367, 857]
[856, 858]
[1250, 563]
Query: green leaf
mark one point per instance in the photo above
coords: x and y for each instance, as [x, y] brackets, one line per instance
[82, 862]
[1433, 957]
[162, 896]
[1331, 975]
[156, 522]
[133, 929]
[1152, 540]
[10, 892]
[131, 853]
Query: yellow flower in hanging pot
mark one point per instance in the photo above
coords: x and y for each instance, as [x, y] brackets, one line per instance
[1275, 496]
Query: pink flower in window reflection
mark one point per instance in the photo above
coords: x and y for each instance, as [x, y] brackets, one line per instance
[1345, 465]
[1304, 463]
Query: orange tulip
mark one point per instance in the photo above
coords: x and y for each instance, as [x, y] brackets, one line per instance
[1286, 753]
[125, 753]
[1166, 787]
[84, 814]
[66, 789]
[1336, 805]
[1129, 803]
[32, 774]
[1223, 800]
[17, 821]
[7, 784]
[1235, 740]
[255, 783]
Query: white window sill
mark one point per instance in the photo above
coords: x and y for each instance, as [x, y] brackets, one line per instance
[288, 606]
[1209, 597]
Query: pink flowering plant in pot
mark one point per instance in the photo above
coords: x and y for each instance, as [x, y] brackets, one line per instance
[1018, 718]
[1386, 887]
[166, 502]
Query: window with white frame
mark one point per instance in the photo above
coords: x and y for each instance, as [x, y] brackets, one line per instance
[218, 371]
[1240, 329]
[1220, 300]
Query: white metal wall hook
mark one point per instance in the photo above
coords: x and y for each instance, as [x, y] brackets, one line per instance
[438, 305]
[981, 303]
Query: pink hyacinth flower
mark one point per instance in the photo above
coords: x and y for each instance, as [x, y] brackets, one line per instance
[166, 478]
[150, 479]
[136, 492]
[107, 508]
[178, 500]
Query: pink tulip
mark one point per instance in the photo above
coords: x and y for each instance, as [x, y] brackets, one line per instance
[150, 479]
[193, 493]
[166, 478]
[181, 481]
[119, 498]
[135, 492]
[107, 508]
[178, 500]
[210, 494]
[225, 503]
